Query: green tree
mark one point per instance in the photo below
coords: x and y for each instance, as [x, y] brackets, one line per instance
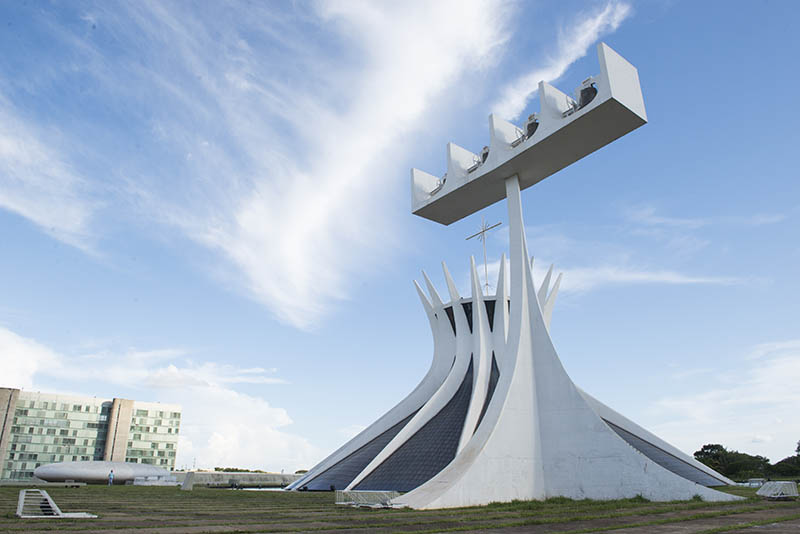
[788, 467]
[742, 466]
[732, 464]
[714, 456]
[797, 450]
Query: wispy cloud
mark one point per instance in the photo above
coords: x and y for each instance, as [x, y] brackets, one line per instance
[775, 348]
[684, 236]
[284, 159]
[22, 358]
[587, 278]
[38, 182]
[578, 280]
[161, 368]
[583, 279]
[573, 43]
[751, 408]
[326, 209]
[281, 154]
[611, 264]
[207, 374]
[649, 216]
[218, 420]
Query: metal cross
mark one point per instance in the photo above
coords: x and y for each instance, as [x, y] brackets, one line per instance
[482, 236]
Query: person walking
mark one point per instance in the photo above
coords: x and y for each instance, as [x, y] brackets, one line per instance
[111, 478]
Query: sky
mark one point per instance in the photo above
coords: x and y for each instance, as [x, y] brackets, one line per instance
[209, 204]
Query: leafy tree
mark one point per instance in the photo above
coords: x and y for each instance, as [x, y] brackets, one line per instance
[788, 467]
[714, 456]
[740, 466]
[743, 466]
[733, 464]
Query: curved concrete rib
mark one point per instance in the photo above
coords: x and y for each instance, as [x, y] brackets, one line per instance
[436, 300]
[444, 347]
[545, 287]
[551, 302]
[481, 358]
[455, 298]
[448, 388]
[500, 322]
[626, 424]
[540, 436]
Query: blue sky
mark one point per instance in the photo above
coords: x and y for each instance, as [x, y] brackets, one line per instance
[209, 205]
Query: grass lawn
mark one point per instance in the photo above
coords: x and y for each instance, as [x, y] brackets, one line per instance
[169, 510]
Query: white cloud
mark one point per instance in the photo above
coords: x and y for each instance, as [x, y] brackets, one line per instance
[648, 215]
[38, 182]
[299, 236]
[226, 428]
[573, 44]
[587, 278]
[271, 154]
[751, 408]
[207, 374]
[776, 348]
[276, 133]
[21, 358]
[220, 427]
[288, 160]
[682, 235]
[583, 279]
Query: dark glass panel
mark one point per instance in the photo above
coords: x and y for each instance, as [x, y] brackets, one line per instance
[665, 459]
[468, 312]
[449, 311]
[490, 312]
[428, 451]
[340, 474]
[493, 378]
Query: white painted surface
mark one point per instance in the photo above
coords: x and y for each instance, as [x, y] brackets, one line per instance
[462, 351]
[96, 472]
[559, 141]
[626, 424]
[481, 357]
[778, 489]
[540, 437]
[444, 348]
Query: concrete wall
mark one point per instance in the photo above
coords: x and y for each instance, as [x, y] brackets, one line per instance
[97, 472]
[8, 403]
[222, 478]
[119, 426]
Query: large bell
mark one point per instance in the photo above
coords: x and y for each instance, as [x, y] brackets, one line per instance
[587, 95]
[530, 128]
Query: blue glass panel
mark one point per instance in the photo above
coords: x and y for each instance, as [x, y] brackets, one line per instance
[340, 474]
[665, 459]
[428, 451]
[449, 311]
[468, 312]
[490, 312]
[493, 378]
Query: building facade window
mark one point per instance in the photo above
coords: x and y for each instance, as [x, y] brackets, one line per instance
[46, 429]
